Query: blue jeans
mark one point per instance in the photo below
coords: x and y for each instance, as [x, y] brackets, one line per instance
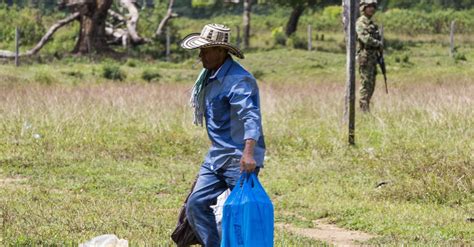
[209, 186]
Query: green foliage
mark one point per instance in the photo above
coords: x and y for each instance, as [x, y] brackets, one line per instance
[113, 72]
[202, 3]
[328, 19]
[394, 44]
[459, 56]
[414, 22]
[43, 77]
[278, 36]
[131, 63]
[297, 42]
[332, 12]
[29, 22]
[309, 3]
[150, 75]
[428, 4]
[74, 73]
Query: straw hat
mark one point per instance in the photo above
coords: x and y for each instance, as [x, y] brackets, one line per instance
[212, 35]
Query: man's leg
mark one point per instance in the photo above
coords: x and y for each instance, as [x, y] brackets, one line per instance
[198, 209]
[373, 79]
[367, 74]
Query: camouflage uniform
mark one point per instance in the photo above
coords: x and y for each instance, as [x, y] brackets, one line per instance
[369, 45]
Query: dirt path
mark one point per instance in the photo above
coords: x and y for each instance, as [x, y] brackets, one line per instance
[330, 234]
[4, 181]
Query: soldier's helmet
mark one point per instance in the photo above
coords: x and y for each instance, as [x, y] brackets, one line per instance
[365, 3]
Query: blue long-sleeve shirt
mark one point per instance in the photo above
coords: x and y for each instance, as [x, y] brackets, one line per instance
[232, 115]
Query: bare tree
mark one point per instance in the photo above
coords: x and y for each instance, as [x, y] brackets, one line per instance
[96, 33]
[164, 21]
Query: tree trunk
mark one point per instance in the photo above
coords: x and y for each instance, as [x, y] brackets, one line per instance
[92, 36]
[246, 22]
[292, 24]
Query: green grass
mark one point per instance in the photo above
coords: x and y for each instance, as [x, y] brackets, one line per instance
[82, 156]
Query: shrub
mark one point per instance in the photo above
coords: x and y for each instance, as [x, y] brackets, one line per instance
[113, 72]
[394, 44]
[150, 75]
[43, 77]
[202, 3]
[296, 42]
[74, 73]
[458, 57]
[278, 36]
[131, 63]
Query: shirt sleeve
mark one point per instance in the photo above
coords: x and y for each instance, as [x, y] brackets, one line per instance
[364, 36]
[244, 101]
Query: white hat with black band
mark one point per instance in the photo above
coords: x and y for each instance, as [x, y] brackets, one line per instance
[212, 35]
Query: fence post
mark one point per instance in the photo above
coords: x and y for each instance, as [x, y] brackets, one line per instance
[310, 38]
[350, 12]
[238, 36]
[17, 47]
[451, 39]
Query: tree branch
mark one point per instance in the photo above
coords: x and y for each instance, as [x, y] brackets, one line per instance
[44, 39]
[165, 19]
[132, 21]
[117, 16]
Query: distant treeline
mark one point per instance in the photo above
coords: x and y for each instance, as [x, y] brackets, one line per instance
[189, 6]
[401, 21]
[33, 24]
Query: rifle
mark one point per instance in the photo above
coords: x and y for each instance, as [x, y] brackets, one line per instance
[381, 62]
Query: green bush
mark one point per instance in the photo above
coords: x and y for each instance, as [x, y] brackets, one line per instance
[43, 77]
[150, 75]
[202, 3]
[113, 72]
[278, 36]
[458, 57]
[403, 21]
[28, 21]
[414, 22]
[74, 73]
[394, 44]
[296, 42]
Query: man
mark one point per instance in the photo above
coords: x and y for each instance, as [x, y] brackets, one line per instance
[226, 96]
[369, 48]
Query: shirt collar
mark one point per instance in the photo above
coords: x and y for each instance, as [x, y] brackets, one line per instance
[222, 71]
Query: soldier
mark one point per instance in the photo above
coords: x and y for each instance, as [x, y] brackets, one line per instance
[369, 47]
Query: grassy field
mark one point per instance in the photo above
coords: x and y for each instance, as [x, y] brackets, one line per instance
[81, 155]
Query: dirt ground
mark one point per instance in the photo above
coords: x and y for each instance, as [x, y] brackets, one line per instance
[330, 234]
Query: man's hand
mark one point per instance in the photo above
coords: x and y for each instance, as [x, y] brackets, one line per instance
[247, 162]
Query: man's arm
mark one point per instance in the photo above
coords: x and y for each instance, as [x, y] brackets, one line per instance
[364, 36]
[244, 103]
[247, 162]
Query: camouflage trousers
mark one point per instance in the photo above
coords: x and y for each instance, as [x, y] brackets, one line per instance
[368, 74]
